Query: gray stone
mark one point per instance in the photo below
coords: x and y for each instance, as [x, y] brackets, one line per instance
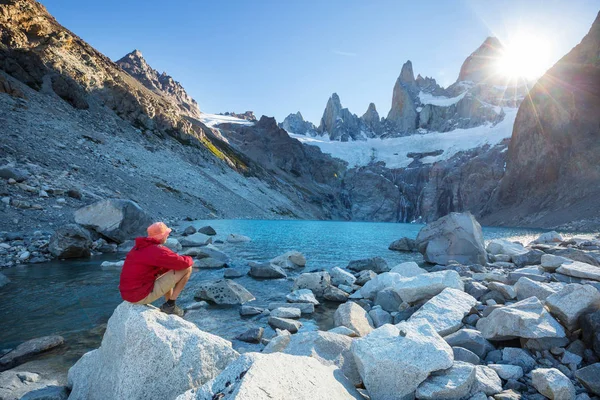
[117, 220]
[341, 277]
[427, 285]
[375, 264]
[207, 230]
[231, 273]
[403, 244]
[551, 262]
[526, 319]
[141, 341]
[388, 299]
[380, 317]
[173, 244]
[394, 360]
[452, 383]
[526, 288]
[486, 381]
[408, 269]
[70, 241]
[580, 270]
[329, 348]
[553, 384]
[365, 276]
[266, 271]
[548, 237]
[9, 172]
[223, 291]
[520, 357]
[507, 291]
[29, 349]
[276, 376]
[334, 294]
[50, 392]
[195, 240]
[302, 296]
[342, 330]
[247, 311]
[462, 354]
[589, 377]
[305, 308]
[252, 335]
[379, 283]
[507, 371]
[291, 260]
[505, 247]
[534, 272]
[572, 302]
[209, 263]
[590, 328]
[206, 251]
[190, 230]
[353, 316]
[285, 323]
[472, 340]
[446, 310]
[476, 289]
[235, 238]
[532, 257]
[317, 282]
[457, 236]
[278, 343]
[286, 312]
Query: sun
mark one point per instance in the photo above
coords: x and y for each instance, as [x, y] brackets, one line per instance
[524, 56]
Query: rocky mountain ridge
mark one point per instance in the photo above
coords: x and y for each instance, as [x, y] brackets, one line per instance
[420, 105]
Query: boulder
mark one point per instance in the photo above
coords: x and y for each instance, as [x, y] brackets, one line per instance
[317, 282]
[117, 220]
[266, 271]
[507, 291]
[553, 384]
[379, 317]
[341, 277]
[532, 257]
[9, 172]
[364, 276]
[173, 244]
[29, 349]
[580, 270]
[196, 239]
[231, 273]
[291, 260]
[285, 323]
[549, 238]
[334, 294]
[379, 283]
[139, 342]
[70, 241]
[427, 285]
[590, 329]
[223, 291]
[329, 348]
[17, 385]
[518, 356]
[247, 311]
[472, 340]
[572, 302]
[527, 288]
[252, 335]
[403, 244]
[206, 251]
[551, 262]
[507, 371]
[209, 263]
[375, 264]
[190, 230]
[233, 238]
[276, 376]
[503, 246]
[590, 378]
[286, 312]
[457, 236]
[394, 360]
[302, 296]
[533, 272]
[445, 311]
[486, 381]
[462, 354]
[353, 316]
[388, 299]
[525, 319]
[305, 308]
[408, 269]
[207, 230]
[452, 383]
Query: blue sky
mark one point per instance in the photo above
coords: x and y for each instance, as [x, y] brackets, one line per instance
[279, 57]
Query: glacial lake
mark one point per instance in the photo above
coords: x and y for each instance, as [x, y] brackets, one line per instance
[75, 298]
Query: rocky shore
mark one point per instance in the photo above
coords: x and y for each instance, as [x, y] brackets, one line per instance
[474, 321]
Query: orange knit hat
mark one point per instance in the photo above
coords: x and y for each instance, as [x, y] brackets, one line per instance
[159, 231]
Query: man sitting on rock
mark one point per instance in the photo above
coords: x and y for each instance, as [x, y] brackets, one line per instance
[151, 271]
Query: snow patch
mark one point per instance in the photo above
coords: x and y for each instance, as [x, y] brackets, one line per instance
[393, 150]
[213, 120]
[443, 101]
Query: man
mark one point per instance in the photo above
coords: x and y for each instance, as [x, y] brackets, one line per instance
[151, 271]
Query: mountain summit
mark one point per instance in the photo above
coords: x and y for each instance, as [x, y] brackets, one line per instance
[135, 65]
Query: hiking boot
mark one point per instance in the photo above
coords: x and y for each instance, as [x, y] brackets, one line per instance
[172, 310]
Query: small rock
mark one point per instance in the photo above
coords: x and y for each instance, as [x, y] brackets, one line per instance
[506, 371]
[334, 294]
[553, 384]
[266, 271]
[247, 311]
[341, 277]
[284, 323]
[252, 335]
[376, 264]
[353, 316]
[286, 312]
[302, 296]
[233, 238]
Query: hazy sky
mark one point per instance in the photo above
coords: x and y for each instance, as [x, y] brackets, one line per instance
[279, 57]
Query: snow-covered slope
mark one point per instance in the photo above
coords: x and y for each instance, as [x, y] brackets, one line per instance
[213, 120]
[394, 151]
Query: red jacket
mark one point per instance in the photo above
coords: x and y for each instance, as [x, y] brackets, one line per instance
[144, 263]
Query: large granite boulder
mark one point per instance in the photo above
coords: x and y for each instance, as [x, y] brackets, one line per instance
[445, 311]
[552, 383]
[457, 236]
[525, 319]
[590, 378]
[503, 246]
[317, 282]
[395, 359]
[403, 244]
[375, 264]
[70, 241]
[266, 271]
[223, 291]
[408, 269]
[256, 376]
[290, 259]
[327, 347]
[425, 286]
[472, 340]
[452, 383]
[526, 288]
[353, 316]
[117, 220]
[579, 269]
[379, 283]
[572, 302]
[148, 354]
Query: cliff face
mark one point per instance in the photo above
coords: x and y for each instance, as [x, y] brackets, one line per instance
[553, 166]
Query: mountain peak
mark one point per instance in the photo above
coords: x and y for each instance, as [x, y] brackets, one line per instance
[481, 64]
[407, 76]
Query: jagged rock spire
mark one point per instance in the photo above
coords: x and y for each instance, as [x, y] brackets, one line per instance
[403, 114]
[481, 64]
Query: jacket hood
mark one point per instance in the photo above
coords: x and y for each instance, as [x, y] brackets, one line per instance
[142, 242]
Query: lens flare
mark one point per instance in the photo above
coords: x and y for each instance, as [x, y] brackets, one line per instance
[525, 55]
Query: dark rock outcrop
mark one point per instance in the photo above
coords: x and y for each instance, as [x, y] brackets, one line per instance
[295, 123]
[553, 167]
[338, 122]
